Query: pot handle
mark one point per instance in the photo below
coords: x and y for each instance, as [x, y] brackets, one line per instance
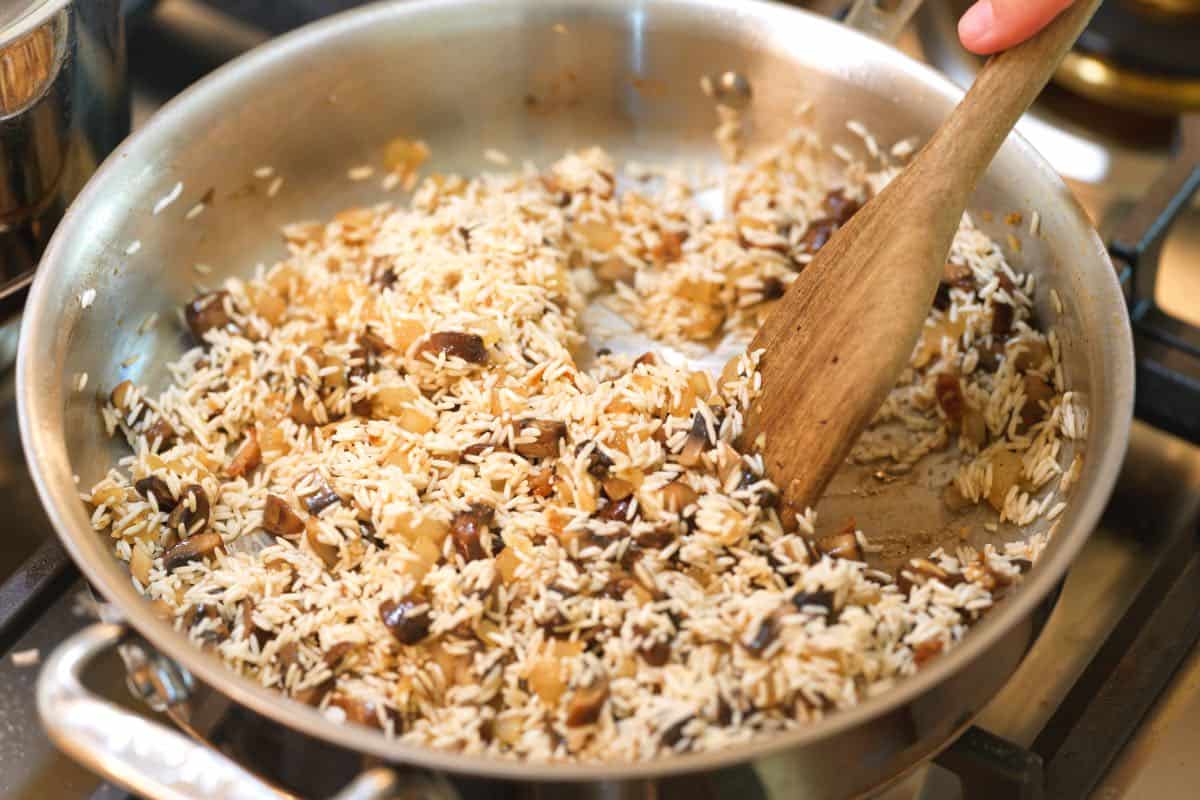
[141, 755]
[883, 19]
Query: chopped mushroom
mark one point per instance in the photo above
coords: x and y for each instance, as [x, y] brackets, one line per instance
[841, 545]
[1037, 392]
[326, 552]
[207, 312]
[191, 549]
[192, 511]
[313, 695]
[697, 441]
[547, 433]
[357, 710]
[840, 207]
[656, 653]
[764, 636]
[279, 519]
[585, 705]
[821, 598]
[455, 344]
[154, 486]
[160, 433]
[1002, 320]
[407, 621]
[468, 527]
[248, 456]
[599, 462]
[616, 510]
[321, 498]
[122, 395]
[950, 397]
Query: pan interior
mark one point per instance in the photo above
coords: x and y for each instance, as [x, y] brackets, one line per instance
[265, 147]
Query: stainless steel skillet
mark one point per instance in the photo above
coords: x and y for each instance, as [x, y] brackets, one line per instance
[531, 78]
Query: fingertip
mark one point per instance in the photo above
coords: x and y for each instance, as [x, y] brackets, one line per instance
[976, 28]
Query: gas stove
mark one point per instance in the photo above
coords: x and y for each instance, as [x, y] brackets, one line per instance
[1107, 703]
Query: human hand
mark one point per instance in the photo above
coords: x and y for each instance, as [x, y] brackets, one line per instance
[993, 25]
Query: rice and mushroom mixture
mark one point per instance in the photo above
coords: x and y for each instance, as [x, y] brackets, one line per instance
[386, 483]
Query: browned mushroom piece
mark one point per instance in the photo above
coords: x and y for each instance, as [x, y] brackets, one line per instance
[843, 544]
[677, 495]
[697, 441]
[300, 412]
[247, 458]
[820, 599]
[207, 312]
[334, 655]
[373, 343]
[192, 511]
[840, 207]
[1002, 320]
[321, 497]
[587, 702]
[546, 433]
[160, 433]
[357, 710]
[406, 620]
[313, 695]
[328, 553]
[616, 510]
[772, 289]
[288, 655]
[599, 462]
[764, 635]
[958, 276]
[455, 344]
[279, 519]
[647, 358]
[191, 549]
[467, 529]
[479, 448]
[1031, 354]
[155, 487]
[1037, 392]
[818, 233]
[121, 396]
[941, 298]
[656, 653]
[974, 427]
[675, 733]
[949, 393]
[656, 539]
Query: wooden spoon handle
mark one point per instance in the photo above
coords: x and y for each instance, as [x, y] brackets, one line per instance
[1003, 90]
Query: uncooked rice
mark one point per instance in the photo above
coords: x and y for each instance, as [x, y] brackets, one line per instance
[480, 542]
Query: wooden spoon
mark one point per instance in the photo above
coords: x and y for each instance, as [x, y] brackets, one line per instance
[847, 326]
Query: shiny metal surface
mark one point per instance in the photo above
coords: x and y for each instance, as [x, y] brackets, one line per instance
[63, 107]
[260, 110]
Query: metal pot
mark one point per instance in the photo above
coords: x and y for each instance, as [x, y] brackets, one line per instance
[532, 78]
[63, 107]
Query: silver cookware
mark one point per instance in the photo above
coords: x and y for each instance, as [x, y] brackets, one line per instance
[531, 78]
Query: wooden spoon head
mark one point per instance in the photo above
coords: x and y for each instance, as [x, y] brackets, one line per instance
[844, 332]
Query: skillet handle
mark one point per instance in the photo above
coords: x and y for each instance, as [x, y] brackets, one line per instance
[141, 755]
[882, 19]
